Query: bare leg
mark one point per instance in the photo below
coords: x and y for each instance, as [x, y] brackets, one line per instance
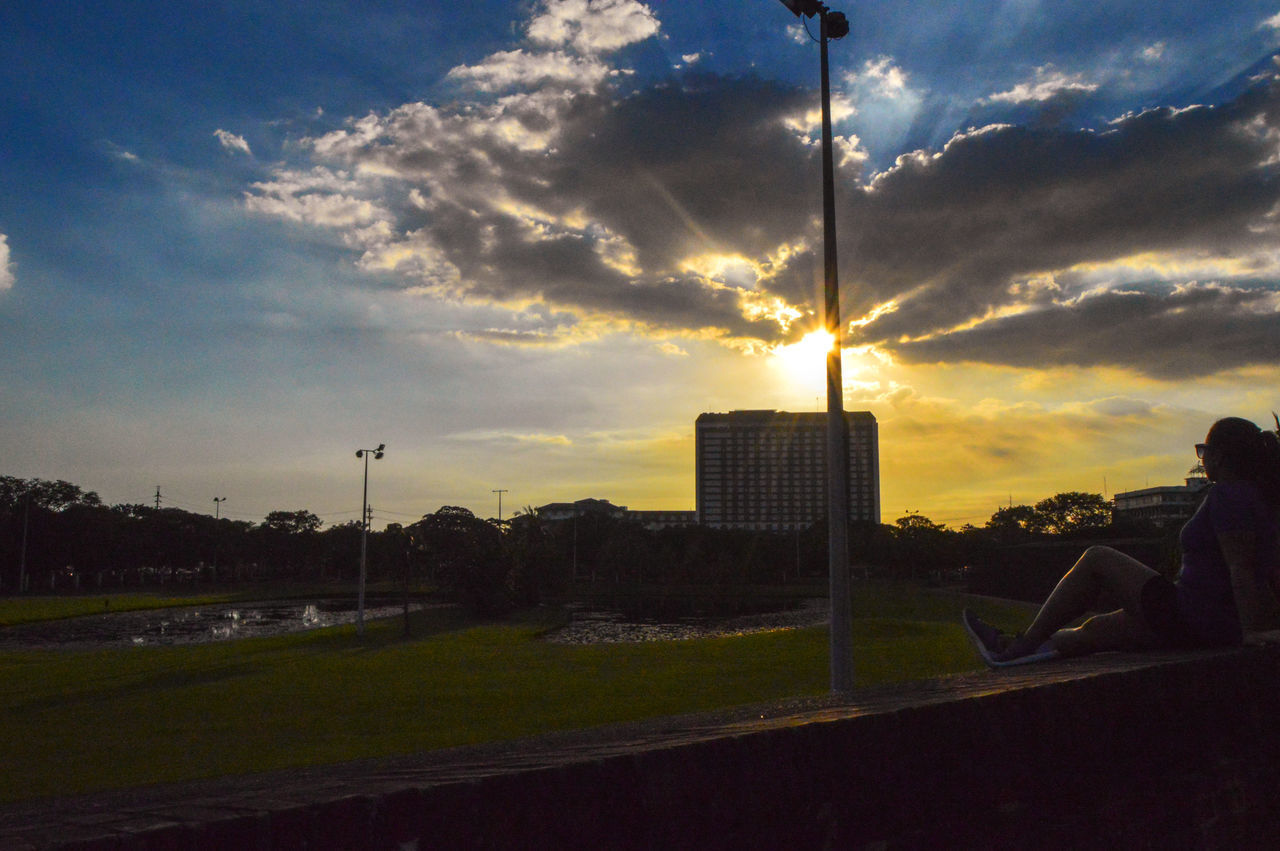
[1118, 630]
[1101, 574]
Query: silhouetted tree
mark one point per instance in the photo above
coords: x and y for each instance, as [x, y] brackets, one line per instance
[1071, 512]
[1014, 522]
[466, 558]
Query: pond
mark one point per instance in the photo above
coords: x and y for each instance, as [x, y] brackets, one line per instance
[601, 627]
[229, 621]
[192, 625]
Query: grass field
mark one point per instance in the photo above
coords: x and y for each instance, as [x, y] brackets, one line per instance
[74, 722]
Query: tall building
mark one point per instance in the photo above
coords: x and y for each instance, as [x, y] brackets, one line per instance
[767, 470]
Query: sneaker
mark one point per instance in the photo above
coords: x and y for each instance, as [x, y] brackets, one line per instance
[1000, 649]
[989, 641]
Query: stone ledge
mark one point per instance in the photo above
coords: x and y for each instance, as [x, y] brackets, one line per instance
[1114, 749]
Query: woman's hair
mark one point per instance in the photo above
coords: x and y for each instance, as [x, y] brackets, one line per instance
[1250, 452]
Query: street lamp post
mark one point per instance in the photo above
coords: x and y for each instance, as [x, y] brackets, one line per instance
[217, 503]
[364, 531]
[833, 25]
[22, 563]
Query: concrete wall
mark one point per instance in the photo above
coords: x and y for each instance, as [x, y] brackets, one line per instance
[1158, 751]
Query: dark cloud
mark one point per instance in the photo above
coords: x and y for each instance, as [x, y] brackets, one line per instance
[594, 201]
[1195, 331]
[959, 229]
[604, 217]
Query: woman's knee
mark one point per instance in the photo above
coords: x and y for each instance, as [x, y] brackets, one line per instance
[1100, 552]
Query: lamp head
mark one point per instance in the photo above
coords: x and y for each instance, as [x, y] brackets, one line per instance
[377, 455]
[837, 25]
[381, 446]
[808, 8]
[359, 453]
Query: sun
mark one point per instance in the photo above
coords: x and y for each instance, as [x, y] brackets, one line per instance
[803, 363]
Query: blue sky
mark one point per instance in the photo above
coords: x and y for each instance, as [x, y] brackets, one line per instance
[526, 243]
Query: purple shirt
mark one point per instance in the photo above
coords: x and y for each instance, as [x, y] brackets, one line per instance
[1205, 599]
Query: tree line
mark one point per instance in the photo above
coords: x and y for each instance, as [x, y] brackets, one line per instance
[59, 535]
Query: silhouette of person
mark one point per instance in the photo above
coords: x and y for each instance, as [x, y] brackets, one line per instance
[1224, 594]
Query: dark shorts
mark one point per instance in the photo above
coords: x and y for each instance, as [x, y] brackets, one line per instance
[1159, 602]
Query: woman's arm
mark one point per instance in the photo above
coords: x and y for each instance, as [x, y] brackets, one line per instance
[1257, 605]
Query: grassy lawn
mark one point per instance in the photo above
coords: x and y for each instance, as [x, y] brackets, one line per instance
[73, 722]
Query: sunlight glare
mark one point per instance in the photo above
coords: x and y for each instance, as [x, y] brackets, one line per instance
[803, 363]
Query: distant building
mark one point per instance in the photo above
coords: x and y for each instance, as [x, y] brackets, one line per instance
[655, 520]
[1167, 505]
[652, 520]
[567, 510]
[767, 470]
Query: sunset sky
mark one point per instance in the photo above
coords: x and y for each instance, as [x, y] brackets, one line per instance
[526, 243]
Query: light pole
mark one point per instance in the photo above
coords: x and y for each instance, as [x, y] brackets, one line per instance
[364, 531]
[499, 492]
[217, 503]
[22, 563]
[833, 25]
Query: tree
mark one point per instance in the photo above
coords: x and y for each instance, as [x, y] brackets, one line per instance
[1072, 511]
[1014, 521]
[467, 558]
[915, 523]
[292, 522]
[288, 540]
[53, 496]
[921, 544]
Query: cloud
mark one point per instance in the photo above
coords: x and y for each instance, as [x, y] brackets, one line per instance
[881, 76]
[1153, 52]
[575, 197]
[513, 68]
[1017, 240]
[1047, 84]
[592, 26]
[1197, 330]
[886, 103]
[7, 279]
[232, 143]
[687, 209]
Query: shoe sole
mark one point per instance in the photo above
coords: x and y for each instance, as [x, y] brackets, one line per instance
[991, 661]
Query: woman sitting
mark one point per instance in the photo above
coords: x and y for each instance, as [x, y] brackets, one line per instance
[1223, 595]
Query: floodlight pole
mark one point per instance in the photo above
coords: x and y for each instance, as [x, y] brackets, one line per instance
[364, 532]
[837, 426]
[217, 504]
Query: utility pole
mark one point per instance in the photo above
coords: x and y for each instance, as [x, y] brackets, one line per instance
[499, 492]
[157, 497]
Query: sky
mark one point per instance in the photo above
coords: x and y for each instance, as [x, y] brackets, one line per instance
[524, 244]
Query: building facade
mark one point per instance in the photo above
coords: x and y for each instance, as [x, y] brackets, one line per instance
[767, 470]
[651, 520]
[1167, 505]
[568, 510]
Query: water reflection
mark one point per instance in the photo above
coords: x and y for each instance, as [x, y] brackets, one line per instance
[195, 625]
[597, 627]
